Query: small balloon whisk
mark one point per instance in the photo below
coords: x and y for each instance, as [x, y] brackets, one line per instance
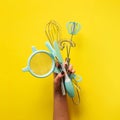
[73, 28]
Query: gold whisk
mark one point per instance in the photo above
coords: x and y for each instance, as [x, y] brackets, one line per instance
[52, 31]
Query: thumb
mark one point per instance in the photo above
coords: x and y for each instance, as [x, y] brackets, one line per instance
[58, 77]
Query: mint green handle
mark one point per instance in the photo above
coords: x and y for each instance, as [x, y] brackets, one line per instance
[56, 47]
[69, 88]
[56, 70]
[48, 45]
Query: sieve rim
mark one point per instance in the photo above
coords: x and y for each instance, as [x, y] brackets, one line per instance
[45, 52]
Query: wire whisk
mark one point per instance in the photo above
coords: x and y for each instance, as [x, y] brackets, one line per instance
[72, 28]
[52, 31]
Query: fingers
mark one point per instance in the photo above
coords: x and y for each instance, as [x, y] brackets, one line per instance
[58, 66]
[59, 76]
[57, 83]
[69, 68]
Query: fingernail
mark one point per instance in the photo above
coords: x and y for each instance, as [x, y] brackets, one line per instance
[59, 66]
[69, 71]
[62, 72]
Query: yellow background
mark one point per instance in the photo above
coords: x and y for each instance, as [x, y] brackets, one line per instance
[96, 58]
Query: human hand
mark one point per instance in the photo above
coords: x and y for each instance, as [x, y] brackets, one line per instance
[60, 76]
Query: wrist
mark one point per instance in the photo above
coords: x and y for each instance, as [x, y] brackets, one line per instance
[57, 92]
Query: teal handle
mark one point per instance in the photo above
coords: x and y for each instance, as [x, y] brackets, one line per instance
[52, 51]
[58, 54]
[69, 88]
[56, 70]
